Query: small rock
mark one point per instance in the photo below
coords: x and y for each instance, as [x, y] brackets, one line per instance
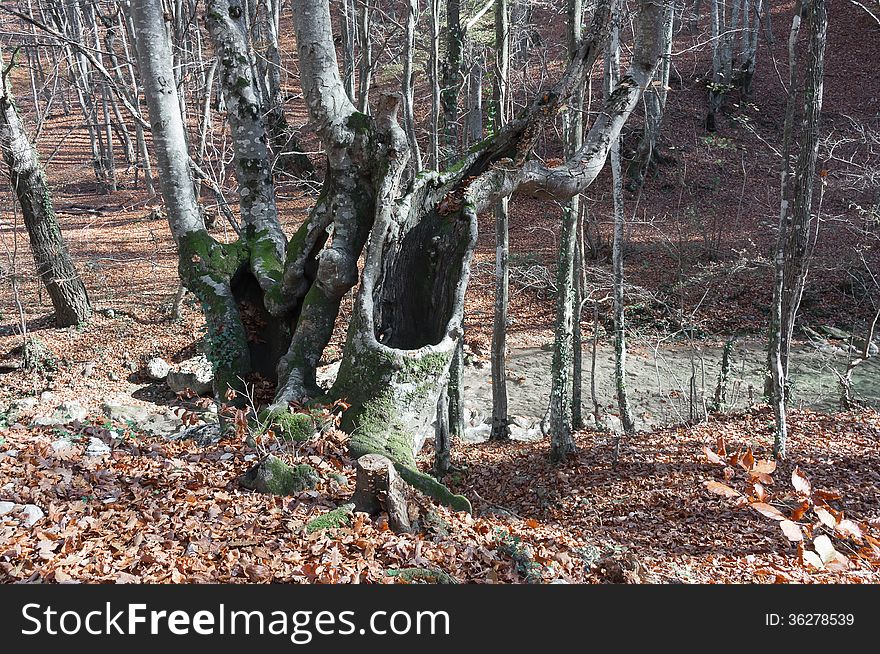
[62, 446]
[88, 369]
[46, 397]
[97, 447]
[112, 376]
[197, 374]
[124, 413]
[157, 369]
[130, 365]
[525, 429]
[6, 507]
[108, 313]
[142, 419]
[274, 476]
[19, 406]
[203, 435]
[32, 514]
[65, 413]
[478, 434]
[834, 332]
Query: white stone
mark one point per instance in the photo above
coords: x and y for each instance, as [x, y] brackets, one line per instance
[157, 369]
[97, 447]
[61, 446]
[32, 514]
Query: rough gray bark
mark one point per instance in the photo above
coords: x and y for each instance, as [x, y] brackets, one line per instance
[498, 356]
[724, 23]
[561, 413]
[748, 60]
[475, 101]
[655, 104]
[54, 265]
[617, 255]
[365, 70]
[573, 133]
[452, 79]
[409, 121]
[256, 190]
[434, 156]
[205, 266]
[797, 226]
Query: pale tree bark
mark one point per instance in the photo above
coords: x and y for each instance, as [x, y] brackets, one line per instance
[751, 22]
[287, 152]
[612, 71]
[797, 226]
[365, 45]
[722, 30]
[349, 39]
[409, 121]
[450, 415]
[205, 266]
[498, 355]
[133, 91]
[474, 129]
[573, 133]
[54, 265]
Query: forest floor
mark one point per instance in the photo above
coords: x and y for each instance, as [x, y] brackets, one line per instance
[154, 509]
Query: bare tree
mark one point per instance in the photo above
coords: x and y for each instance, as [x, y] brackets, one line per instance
[797, 226]
[498, 355]
[612, 71]
[54, 265]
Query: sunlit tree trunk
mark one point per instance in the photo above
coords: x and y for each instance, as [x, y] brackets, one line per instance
[797, 226]
[54, 265]
[498, 354]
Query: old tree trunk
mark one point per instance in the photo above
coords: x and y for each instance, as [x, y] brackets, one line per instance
[271, 302]
[54, 265]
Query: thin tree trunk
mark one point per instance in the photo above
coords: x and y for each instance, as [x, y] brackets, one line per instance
[655, 104]
[498, 356]
[452, 79]
[365, 43]
[796, 237]
[611, 76]
[434, 79]
[53, 262]
[574, 136]
[409, 121]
